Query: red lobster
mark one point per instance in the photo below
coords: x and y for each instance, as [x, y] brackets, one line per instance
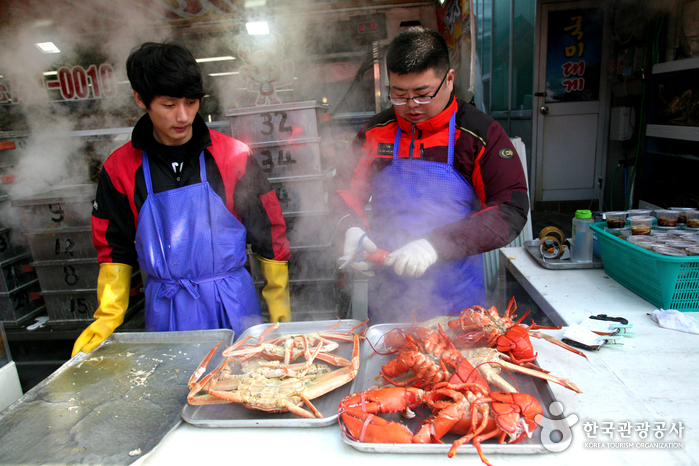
[511, 415]
[432, 357]
[418, 352]
[477, 326]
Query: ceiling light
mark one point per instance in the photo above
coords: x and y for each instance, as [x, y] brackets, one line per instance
[48, 47]
[256, 28]
[227, 73]
[206, 60]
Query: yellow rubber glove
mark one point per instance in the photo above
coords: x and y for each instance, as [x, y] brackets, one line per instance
[113, 287]
[276, 290]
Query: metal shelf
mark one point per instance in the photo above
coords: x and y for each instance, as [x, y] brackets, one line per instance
[677, 65]
[684, 133]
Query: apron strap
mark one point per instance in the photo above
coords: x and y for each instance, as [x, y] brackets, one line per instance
[396, 144]
[173, 286]
[450, 149]
[452, 131]
[202, 167]
[146, 174]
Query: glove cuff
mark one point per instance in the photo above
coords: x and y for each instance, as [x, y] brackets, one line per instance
[429, 249]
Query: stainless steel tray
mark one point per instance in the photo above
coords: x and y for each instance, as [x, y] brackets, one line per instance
[366, 378]
[111, 406]
[237, 415]
[532, 247]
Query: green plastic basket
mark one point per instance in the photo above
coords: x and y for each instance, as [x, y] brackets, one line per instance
[665, 281]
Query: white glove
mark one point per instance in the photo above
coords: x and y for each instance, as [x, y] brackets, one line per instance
[352, 238]
[413, 258]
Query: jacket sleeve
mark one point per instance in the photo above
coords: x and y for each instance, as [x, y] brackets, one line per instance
[113, 225]
[261, 213]
[499, 181]
[351, 186]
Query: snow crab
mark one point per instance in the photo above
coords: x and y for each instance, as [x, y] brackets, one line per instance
[269, 380]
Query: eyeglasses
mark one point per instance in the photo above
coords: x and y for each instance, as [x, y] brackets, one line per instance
[420, 100]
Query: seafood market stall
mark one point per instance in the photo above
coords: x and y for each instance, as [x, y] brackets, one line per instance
[637, 404]
[647, 380]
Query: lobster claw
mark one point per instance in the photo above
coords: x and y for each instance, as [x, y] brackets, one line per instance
[358, 413]
[366, 427]
[515, 413]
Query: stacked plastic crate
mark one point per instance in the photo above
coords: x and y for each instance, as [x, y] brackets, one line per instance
[18, 283]
[58, 229]
[285, 140]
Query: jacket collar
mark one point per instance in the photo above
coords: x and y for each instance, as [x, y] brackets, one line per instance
[142, 137]
[437, 123]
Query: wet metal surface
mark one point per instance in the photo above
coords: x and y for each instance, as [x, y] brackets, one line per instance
[111, 406]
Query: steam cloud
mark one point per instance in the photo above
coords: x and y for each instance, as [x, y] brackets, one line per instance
[104, 31]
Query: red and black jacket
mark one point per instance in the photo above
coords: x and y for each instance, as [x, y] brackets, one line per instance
[231, 170]
[483, 154]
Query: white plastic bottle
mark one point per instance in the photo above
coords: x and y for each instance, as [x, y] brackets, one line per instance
[582, 237]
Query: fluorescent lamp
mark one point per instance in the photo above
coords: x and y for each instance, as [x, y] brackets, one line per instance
[48, 47]
[206, 60]
[50, 73]
[256, 28]
[227, 73]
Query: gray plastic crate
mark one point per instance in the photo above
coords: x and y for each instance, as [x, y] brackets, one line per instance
[16, 271]
[8, 248]
[282, 122]
[318, 299]
[299, 194]
[21, 304]
[288, 158]
[66, 206]
[309, 229]
[80, 305]
[70, 274]
[61, 243]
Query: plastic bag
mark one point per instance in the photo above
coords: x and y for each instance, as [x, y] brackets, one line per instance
[675, 320]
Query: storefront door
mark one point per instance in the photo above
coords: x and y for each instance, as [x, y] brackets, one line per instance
[570, 103]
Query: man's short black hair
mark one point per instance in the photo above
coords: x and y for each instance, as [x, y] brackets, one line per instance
[416, 50]
[164, 69]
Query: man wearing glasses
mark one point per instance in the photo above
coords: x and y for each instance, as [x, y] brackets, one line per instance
[444, 182]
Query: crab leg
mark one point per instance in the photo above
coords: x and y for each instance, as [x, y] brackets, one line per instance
[310, 356]
[332, 380]
[205, 384]
[541, 375]
[202, 367]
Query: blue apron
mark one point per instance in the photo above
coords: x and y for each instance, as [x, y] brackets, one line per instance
[193, 250]
[410, 199]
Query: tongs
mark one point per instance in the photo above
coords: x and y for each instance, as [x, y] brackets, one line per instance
[360, 255]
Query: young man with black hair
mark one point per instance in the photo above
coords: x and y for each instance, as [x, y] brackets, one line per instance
[445, 186]
[183, 201]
